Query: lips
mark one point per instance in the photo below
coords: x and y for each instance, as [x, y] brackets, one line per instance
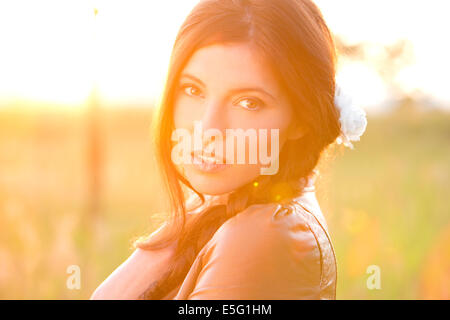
[207, 164]
[200, 157]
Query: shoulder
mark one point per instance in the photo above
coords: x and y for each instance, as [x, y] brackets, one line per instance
[266, 251]
[272, 234]
[264, 224]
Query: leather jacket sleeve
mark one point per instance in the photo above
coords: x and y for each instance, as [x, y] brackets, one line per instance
[265, 252]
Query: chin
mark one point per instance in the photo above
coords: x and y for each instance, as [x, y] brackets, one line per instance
[211, 188]
[223, 182]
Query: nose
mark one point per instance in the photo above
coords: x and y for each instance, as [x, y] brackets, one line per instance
[213, 122]
[214, 116]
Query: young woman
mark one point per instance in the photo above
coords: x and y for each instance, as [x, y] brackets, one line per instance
[244, 233]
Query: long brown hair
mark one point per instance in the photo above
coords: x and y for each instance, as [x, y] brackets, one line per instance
[293, 36]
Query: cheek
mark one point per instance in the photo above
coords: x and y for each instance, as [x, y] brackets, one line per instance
[184, 113]
[271, 142]
[282, 122]
[179, 115]
[276, 121]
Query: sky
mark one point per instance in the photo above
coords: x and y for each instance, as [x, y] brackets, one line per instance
[56, 50]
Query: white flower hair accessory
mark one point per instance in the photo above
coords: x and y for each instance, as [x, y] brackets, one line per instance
[352, 118]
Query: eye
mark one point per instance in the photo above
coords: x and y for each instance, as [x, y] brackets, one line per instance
[251, 104]
[191, 90]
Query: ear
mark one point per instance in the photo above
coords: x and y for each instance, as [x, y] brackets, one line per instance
[296, 131]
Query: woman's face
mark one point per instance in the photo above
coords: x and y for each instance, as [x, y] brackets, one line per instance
[230, 87]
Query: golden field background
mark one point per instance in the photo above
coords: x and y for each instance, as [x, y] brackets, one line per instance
[386, 202]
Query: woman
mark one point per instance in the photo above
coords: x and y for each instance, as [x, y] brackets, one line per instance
[250, 230]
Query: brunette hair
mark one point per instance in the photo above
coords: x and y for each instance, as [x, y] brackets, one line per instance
[294, 38]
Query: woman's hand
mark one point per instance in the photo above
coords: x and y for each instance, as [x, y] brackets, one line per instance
[134, 275]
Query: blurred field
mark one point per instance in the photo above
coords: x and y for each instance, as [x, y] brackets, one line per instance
[386, 202]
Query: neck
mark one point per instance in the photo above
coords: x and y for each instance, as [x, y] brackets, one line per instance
[218, 199]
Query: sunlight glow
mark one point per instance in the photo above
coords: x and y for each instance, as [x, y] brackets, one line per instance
[424, 23]
[48, 51]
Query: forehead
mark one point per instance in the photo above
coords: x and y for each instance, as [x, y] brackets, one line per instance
[232, 66]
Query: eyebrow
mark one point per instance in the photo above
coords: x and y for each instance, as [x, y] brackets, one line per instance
[187, 75]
